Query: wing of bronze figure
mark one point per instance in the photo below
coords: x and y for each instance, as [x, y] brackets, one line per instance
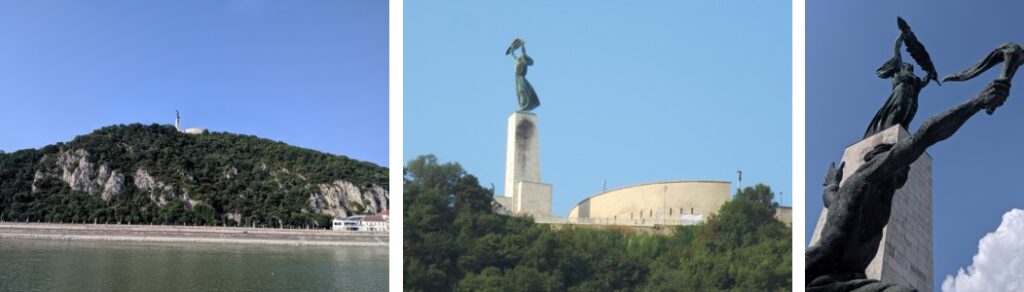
[917, 51]
[518, 42]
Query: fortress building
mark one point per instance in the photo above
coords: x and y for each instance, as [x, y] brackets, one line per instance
[668, 203]
[192, 131]
[682, 202]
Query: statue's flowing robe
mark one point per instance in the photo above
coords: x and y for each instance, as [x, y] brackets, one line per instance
[528, 99]
[901, 106]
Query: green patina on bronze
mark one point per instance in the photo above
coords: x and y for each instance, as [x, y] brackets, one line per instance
[901, 106]
[524, 91]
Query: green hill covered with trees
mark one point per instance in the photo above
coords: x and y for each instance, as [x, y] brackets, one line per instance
[155, 174]
[453, 240]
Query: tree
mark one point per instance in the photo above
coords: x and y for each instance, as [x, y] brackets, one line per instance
[759, 194]
[229, 174]
[453, 240]
[204, 214]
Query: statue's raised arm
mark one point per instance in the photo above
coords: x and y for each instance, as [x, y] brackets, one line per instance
[890, 67]
[901, 106]
[516, 44]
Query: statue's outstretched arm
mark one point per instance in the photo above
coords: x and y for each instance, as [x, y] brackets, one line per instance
[1012, 55]
[937, 128]
[993, 58]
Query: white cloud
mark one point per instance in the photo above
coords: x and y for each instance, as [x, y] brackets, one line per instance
[999, 264]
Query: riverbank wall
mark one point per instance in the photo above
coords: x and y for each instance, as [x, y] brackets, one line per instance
[191, 234]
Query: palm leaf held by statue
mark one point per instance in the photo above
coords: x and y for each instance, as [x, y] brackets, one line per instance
[917, 51]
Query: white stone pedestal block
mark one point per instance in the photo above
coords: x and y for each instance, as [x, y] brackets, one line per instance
[905, 254]
[522, 155]
[524, 191]
[534, 199]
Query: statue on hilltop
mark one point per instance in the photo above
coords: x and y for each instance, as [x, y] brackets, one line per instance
[901, 106]
[524, 91]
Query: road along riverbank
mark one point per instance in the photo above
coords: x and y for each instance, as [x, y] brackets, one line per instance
[191, 234]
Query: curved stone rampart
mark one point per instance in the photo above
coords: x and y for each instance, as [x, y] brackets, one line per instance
[660, 200]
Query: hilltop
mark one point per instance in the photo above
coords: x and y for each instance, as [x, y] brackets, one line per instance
[154, 174]
[455, 239]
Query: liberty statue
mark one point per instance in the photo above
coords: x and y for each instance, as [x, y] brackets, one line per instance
[524, 91]
[860, 207]
[901, 106]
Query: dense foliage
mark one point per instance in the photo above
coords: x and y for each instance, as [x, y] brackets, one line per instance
[454, 241]
[265, 182]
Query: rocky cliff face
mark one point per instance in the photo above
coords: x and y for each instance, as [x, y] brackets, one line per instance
[156, 189]
[339, 198]
[74, 168]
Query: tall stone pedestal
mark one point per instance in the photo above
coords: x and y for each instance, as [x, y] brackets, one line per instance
[524, 192]
[905, 253]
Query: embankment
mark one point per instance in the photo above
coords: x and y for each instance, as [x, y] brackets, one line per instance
[191, 234]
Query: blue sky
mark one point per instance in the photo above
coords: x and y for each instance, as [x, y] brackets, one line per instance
[309, 73]
[629, 93]
[975, 173]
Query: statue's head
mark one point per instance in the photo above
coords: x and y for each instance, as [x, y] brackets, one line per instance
[907, 68]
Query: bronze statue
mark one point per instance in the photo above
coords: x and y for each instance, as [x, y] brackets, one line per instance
[901, 106]
[524, 91]
[859, 209]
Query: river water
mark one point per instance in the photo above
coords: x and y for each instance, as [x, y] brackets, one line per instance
[46, 265]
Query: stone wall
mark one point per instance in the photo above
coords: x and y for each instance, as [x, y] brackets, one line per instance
[533, 199]
[784, 214]
[191, 234]
[661, 200]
